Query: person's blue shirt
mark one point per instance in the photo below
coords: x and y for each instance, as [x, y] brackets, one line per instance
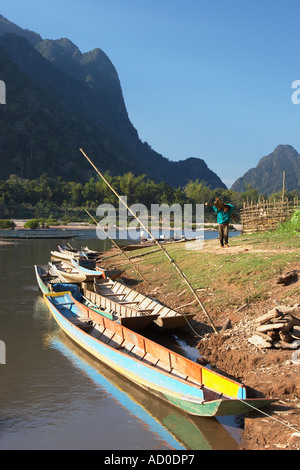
[223, 217]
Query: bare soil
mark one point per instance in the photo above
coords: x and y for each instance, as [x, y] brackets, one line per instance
[265, 372]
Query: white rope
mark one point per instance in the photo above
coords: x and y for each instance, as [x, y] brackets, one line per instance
[174, 264]
[271, 417]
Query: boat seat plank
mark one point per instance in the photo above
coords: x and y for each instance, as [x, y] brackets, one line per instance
[95, 333]
[80, 319]
[162, 365]
[127, 346]
[145, 310]
[150, 359]
[112, 295]
[178, 374]
[106, 336]
[193, 381]
[164, 312]
[116, 341]
[137, 352]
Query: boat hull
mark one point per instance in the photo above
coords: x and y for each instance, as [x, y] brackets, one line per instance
[187, 397]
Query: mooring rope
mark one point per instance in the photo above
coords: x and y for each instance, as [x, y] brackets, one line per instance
[271, 417]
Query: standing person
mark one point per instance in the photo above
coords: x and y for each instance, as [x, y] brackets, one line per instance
[223, 218]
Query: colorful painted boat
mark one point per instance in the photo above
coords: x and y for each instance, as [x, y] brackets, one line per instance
[167, 318]
[91, 273]
[174, 378]
[68, 273]
[64, 256]
[84, 252]
[125, 315]
[180, 430]
[94, 273]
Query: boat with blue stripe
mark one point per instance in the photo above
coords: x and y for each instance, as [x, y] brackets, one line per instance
[188, 385]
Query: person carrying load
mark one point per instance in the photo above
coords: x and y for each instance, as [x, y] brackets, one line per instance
[223, 212]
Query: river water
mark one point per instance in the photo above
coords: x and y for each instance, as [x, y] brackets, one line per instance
[55, 396]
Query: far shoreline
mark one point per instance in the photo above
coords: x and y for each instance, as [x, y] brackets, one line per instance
[208, 226]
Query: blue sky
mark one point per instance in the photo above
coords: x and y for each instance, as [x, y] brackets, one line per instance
[200, 78]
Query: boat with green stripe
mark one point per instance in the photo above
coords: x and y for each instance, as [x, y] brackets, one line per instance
[193, 388]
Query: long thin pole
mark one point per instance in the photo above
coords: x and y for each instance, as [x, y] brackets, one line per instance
[122, 252]
[158, 244]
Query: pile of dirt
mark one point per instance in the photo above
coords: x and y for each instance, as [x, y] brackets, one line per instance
[266, 373]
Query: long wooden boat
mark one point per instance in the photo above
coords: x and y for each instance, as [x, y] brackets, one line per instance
[90, 273]
[181, 382]
[85, 252]
[39, 234]
[64, 256]
[193, 432]
[68, 273]
[128, 316]
[167, 317]
[149, 243]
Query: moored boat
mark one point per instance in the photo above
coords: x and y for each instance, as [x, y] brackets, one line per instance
[63, 256]
[68, 273]
[150, 243]
[167, 318]
[128, 316]
[39, 234]
[84, 252]
[183, 383]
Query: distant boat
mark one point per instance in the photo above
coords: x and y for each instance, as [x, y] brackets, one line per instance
[181, 382]
[39, 234]
[149, 243]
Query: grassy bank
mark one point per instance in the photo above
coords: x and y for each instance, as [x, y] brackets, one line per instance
[226, 278]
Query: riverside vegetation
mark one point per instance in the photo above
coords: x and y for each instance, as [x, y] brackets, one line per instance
[53, 199]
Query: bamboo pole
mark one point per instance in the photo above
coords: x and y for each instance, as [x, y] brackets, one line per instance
[173, 262]
[122, 252]
[283, 184]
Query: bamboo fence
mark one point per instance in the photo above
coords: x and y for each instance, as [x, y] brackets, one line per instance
[266, 214]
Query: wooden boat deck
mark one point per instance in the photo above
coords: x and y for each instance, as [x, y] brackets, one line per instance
[166, 317]
[125, 314]
[142, 349]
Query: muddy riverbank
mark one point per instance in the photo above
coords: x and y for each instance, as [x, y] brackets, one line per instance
[265, 372]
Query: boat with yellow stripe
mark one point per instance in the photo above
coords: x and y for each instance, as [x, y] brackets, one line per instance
[183, 383]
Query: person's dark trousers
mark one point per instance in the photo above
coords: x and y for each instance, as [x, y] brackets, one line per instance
[223, 234]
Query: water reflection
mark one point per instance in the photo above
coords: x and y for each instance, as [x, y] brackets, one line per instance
[48, 404]
[176, 429]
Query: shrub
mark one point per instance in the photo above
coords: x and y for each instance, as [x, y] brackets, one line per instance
[292, 225]
[32, 224]
[7, 224]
